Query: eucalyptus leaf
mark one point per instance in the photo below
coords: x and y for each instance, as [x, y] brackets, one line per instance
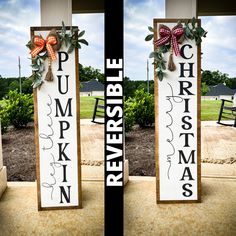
[63, 30]
[83, 41]
[150, 29]
[29, 45]
[71, 48]
[159, 56]
[38, 61]
[193, 22]
[37, 83]
[35, 66]
[163, 65]
[81, 34]
[160, 75]
[149, 37]
[41, 68]
[152, 55]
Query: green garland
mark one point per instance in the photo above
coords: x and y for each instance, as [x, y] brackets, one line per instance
[69, 39]
[191, 31]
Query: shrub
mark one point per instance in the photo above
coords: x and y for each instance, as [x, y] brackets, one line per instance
[4, 119]
[139, 109]
[129, 118]
[19, 108]
[144, 108]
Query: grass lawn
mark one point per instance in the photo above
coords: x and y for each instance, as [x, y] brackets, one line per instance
[87, 106]
[210, 109]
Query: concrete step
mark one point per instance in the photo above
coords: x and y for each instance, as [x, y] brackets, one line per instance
[3, 180]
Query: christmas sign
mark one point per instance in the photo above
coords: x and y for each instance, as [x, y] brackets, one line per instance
[177, 109]
[57, 121]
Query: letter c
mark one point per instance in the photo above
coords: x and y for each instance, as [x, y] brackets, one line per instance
[182, 51]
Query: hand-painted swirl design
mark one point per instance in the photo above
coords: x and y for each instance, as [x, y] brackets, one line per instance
[48, 136]
[50, 185]
[171, 99]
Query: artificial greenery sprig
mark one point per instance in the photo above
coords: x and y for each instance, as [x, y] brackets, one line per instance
[192, 31]
[70, 39]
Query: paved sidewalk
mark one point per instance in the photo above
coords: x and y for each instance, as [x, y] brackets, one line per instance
[218, 149]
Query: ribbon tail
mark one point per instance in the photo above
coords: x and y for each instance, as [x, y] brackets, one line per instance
[51, 53]
[175, 45]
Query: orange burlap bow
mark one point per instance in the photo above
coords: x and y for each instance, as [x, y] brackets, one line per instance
[40, 43]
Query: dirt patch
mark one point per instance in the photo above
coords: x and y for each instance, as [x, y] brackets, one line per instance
[139, 150]
[19, 154]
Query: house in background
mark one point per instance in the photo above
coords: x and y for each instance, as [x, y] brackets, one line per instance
[91, 88]
[219, 91]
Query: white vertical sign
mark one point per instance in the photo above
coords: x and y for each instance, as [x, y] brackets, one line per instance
[57, 133]
[177, 126]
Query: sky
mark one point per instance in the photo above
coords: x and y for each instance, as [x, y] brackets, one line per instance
[16, 17]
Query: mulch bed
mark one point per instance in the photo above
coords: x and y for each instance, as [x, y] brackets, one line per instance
[19, 154]
[139, 150]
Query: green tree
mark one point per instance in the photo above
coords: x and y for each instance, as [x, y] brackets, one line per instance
[204, 89]
[130, 86]
[27, 86]
[14, 85]
[3, 87]
[214, 77]
[87, 73]
[231, 83]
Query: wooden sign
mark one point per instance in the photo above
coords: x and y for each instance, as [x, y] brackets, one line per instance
[57, 131]
[177, 122]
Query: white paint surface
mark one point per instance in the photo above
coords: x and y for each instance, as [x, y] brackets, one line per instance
[180, 8]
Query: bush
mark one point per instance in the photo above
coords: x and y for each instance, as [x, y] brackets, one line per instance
[4, 119]
[139, 109]
[129, 118]
[18, 108]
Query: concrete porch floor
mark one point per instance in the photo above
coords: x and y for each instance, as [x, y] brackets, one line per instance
[216, 215]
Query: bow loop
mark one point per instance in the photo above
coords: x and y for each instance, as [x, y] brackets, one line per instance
[50, 41]
[167, 35]
[40, 45]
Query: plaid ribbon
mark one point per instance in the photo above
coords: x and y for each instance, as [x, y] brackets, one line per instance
[168, 35]
[40, 43]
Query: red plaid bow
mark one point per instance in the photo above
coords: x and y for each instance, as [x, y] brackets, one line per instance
[168, 35]
[39, 42]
